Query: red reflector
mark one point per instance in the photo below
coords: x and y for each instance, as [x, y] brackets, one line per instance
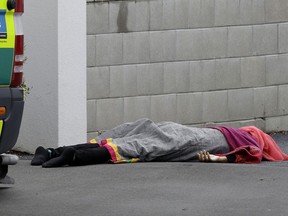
[19, 44]
[2, 110]
[16, 79]
[19, 6]
[18, 63]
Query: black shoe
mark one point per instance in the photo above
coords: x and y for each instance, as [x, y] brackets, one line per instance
[65, 158]
[41, 156]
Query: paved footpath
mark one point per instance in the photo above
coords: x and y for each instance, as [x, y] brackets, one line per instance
[161, 189]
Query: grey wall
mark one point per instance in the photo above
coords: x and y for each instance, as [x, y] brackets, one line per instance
[189, 61]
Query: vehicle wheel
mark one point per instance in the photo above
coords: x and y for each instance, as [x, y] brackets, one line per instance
[3, 171]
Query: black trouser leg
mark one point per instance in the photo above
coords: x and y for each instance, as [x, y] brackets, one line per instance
[42, 154]
[91, 156]
[58, 151]
[81, 155]
[66, 157]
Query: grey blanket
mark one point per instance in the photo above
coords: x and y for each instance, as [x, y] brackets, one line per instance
[164, 141]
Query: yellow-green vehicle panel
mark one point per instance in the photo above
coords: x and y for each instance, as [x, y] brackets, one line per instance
[7, 44]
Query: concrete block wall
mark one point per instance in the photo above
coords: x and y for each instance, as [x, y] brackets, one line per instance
[190, 61]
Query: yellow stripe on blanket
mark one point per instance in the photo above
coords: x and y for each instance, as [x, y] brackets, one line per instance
[93, 141]
[114, 152]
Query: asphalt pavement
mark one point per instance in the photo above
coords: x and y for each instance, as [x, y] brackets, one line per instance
[143, 189]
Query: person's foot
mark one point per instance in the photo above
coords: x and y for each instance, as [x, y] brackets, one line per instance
[41, 156]
[205, 156]
[65, 158]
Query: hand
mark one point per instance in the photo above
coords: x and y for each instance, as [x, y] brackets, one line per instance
[205, 156]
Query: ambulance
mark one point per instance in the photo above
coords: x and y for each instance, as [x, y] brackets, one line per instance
[11, 73]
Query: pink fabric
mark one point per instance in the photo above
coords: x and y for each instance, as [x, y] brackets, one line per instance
[245, 148]
[251, 145]
[270, 150]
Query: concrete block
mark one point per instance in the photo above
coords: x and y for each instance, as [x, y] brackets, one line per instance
[156, 15]
[110, 113]
[122, 16]
[194, 13]
[176, 77]
[214, 42]
[131, 16]
[91, 115]
[189, 108]
[163, 108]
[136, 108]
[265, 39]
[276, 10]
[109, 49]
[276, 69]
[233, 12]
[228, 73]
[266, 101]
[283, 35]
[222, 73]
[129, 48]
[142, 15]
[116, 49]
[283, 99]
[182, 70]
[195, 76]
[123, 81]
[189, 44]
[227, 12]
[143, 79]
[215, 106]
[181, 14]
[241, 104]
[246, 12]
[130, 80]
[253, 71]
[91, 19]
[169, 39]
[142, 47]
[209, 75]
[150, 79]
[156, 46]
[169, 75]
[240, 41]
[234, 66]
[258, 11]
[98, 82]
[168, 19]
[102, 50]
[207, 13]
[114, 13]
[156, 72]
[91, 50]
[97, 18]
[116, 81]
[278, 123]
[220, 13]
[259, 123]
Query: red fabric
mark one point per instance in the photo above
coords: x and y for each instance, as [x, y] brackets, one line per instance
[270, 150]
[245, 147]
[247, 154]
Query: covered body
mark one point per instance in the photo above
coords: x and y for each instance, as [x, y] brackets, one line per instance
[145, 140]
